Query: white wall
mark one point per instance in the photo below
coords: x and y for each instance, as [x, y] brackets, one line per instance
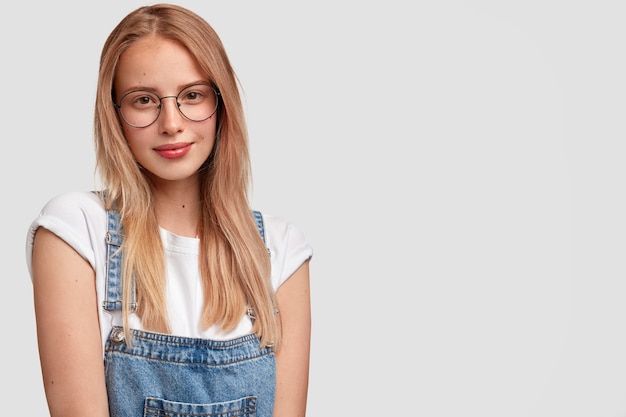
[457, 166]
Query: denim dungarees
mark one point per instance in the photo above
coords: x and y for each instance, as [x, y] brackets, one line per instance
[170, 376]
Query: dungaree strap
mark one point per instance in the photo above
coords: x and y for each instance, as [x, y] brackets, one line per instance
[259, 223]
[113, 283]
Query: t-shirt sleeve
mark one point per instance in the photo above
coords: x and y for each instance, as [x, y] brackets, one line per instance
[76, 217]
[288, 246]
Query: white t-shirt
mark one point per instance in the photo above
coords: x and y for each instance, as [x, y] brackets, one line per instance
[79, 218]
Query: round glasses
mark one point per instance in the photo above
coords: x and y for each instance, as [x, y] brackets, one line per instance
[141, 108]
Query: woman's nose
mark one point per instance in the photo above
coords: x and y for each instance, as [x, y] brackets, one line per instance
[171, 119]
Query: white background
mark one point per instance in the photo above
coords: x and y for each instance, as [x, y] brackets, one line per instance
[458, 167]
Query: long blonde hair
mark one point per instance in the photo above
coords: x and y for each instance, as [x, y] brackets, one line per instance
[233, 261]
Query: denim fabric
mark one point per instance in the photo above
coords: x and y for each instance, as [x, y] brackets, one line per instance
[171, 376]
[114, 238]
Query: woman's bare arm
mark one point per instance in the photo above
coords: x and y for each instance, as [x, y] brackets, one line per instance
[68, 330]
[292, 357]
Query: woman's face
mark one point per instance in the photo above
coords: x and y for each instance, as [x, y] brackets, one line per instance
[172, 148]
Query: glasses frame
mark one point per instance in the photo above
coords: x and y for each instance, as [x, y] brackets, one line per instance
[118, 106]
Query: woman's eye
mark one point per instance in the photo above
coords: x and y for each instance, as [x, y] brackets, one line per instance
[192, 96]
[145, 100]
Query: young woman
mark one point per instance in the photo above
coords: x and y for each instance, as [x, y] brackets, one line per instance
[164, 293]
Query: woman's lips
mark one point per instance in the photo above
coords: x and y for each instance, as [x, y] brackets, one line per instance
[174, 150]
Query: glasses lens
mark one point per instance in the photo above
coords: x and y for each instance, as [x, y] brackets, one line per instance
[197, 102]
[140, 108]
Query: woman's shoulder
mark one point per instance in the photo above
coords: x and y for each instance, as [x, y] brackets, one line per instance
[74, 209]
[288, 246]
[79, 218]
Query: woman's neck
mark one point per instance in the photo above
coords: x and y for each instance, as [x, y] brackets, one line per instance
[178, 208]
